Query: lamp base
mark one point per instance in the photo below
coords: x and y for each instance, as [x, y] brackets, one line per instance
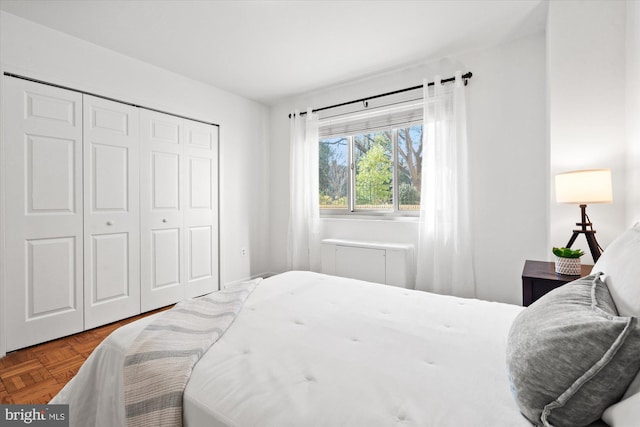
[590, 234]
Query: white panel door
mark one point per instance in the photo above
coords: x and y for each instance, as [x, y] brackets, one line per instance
[43, 212]
[161, 209]
[111, 208]
[201, 208]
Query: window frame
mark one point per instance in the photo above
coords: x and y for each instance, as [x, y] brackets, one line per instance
[351, 211]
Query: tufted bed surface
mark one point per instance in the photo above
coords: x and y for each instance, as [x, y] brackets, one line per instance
[314, 350]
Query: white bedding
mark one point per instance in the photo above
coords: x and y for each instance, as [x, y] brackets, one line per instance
[316, 350]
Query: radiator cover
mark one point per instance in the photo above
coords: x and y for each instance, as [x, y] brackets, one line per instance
[379, 262]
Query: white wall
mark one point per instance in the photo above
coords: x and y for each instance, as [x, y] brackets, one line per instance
[586, 89]
[36, 51]
[507, 134]
[633, 111]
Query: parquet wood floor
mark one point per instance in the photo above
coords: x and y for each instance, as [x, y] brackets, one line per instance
[35, 374]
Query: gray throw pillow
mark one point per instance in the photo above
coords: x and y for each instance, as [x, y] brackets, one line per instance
[570, 356]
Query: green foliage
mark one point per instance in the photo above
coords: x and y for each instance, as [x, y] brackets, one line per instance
[374, 167]
[568, 253]
[374, 176]
[409, 194]
[410, 156]
[334, 172]
[330, 201]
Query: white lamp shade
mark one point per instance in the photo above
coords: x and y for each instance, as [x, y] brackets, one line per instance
[584, 187]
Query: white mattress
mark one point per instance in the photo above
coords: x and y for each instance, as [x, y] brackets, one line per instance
[316, 350]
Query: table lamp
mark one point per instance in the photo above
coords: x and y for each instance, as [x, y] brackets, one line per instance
[581, 188]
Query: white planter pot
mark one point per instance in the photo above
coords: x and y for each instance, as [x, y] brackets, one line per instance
[568, 266]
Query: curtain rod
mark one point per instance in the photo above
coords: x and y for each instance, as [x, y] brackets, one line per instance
[465, 78]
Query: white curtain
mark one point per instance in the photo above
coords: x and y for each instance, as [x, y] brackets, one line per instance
[444, 260]
[303, 248]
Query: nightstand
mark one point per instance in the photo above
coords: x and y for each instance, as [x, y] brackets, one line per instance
[540, 277]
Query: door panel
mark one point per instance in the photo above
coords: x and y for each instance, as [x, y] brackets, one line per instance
[200, 181]
[43, 212]
[51, 261]
[201, 210]
[204, 136]
[164, 128]
[179, 210]
[45, 104]
[165, 181]
[111, 229]
[50, 175]
[161, 211]
[200, 244]
[165, 246]
[110, 267]
[110, 178]
[112, 120]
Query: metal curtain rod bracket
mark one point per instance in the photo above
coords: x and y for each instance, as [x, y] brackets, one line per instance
[465, 79]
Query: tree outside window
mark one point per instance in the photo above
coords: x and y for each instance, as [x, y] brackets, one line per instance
[334, 173]
[377, 172]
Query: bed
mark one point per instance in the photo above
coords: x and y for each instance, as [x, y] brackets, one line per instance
[308, 349]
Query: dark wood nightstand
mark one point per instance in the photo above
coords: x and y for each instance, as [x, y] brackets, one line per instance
[540, 277]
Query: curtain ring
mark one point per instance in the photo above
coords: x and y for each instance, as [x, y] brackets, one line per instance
[365, 103]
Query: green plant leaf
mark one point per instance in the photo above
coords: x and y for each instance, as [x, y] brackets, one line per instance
[567, 252]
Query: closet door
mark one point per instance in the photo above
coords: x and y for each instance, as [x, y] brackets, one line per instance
[43, 212]
[161, 209]
[201, 210]
[111, 211]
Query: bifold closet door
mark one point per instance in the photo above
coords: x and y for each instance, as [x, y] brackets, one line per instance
[201, 209]
[178, 211]
[161, 209]
[111, 211]
[43, 208]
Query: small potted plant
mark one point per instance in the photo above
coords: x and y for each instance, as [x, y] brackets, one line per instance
[568, 261]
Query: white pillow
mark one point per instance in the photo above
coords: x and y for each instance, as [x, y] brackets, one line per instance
[620, 264]
[625, 413]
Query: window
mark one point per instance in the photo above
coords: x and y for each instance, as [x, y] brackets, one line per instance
[376, 172]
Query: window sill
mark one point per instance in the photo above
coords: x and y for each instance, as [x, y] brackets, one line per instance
[371, 217]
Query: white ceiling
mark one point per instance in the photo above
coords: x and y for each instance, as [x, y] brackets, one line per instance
[267, 50]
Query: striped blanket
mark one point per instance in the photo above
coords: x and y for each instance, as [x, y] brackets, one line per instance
[159, 363]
